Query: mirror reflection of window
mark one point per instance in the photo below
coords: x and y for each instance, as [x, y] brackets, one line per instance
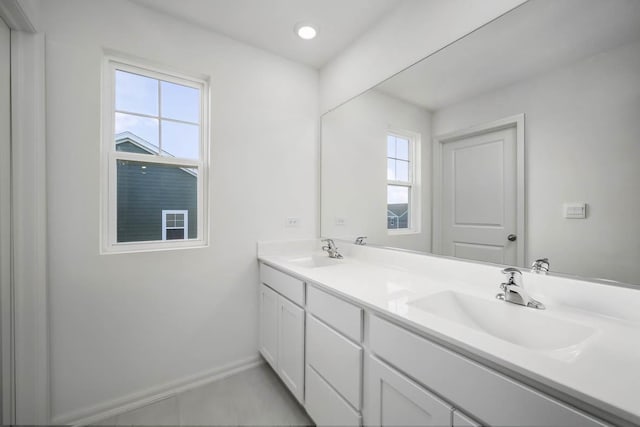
[399, 181]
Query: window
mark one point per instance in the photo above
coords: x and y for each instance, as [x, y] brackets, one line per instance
[403, 204]
[175, 225]
[154, 158]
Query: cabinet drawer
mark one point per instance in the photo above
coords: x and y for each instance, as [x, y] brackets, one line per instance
[341, 315]
[284, 284]
[336, 359]
[324, 405]
[488, 395]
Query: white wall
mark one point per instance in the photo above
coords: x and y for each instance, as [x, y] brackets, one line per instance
[354, 165]
[132, 323]
[416, 29]
[31, 9]
[582, 130]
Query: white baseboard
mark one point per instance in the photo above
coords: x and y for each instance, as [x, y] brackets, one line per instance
[146, 397]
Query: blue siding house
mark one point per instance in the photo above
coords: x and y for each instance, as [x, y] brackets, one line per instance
[155, 202]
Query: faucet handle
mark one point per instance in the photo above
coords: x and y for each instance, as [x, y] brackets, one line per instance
[514, 276]
[511, 271]
[541, 265]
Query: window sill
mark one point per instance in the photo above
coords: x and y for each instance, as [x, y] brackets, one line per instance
[134, 247]
[402, 232]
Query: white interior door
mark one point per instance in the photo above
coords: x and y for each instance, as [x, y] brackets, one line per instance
[5, 224]
[479, 197]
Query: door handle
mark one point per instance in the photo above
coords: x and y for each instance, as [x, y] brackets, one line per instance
[512, 237]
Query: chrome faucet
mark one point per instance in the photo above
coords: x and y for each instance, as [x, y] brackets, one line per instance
[362, 240]
[331, 249]
[540, 266]
[513, 290]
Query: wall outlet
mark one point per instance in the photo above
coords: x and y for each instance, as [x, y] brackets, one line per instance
[292, 221]
[340, 221]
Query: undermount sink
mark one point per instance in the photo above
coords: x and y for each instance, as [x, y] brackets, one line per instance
[518, 325]
[315, 261]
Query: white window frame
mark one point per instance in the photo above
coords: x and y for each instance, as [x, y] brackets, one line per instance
[185, 227]
[415, 178]
[109, 157]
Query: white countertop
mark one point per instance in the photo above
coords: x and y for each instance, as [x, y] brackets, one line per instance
[602, 371]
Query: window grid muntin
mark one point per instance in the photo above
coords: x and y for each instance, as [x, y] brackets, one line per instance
[160, 118]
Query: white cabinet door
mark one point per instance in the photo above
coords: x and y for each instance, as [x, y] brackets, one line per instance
[395, 400]
[268, 344]
[291, 346]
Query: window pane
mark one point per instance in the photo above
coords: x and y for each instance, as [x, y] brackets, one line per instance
[180, 102]
[391, 169]
[391, 146]
[397, 194]
[136, 94]
[144, 190]
[402, 149]
[402, 170]
[136, 134]
[397, 207]
[180, 140]
[175, 234]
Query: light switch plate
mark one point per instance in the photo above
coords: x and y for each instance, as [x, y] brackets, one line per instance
[576, 210]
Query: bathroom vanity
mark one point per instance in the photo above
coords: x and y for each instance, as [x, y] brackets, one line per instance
[385, 337]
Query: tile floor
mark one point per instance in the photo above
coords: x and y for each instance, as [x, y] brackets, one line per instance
[255, 397]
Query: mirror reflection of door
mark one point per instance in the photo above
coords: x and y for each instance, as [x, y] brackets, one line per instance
[479, 197]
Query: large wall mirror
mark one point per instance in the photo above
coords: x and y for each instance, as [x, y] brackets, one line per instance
[517, 142]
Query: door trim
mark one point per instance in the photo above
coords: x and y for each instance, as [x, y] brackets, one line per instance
[516, 121]
[29, 396]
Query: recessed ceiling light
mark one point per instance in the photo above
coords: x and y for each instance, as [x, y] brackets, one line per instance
[306, 31]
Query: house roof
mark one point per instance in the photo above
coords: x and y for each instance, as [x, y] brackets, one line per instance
[398, 209]
[139, 142]
[143, 144]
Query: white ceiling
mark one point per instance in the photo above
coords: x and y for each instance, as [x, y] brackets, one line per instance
[538, 36]
[269, 24]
